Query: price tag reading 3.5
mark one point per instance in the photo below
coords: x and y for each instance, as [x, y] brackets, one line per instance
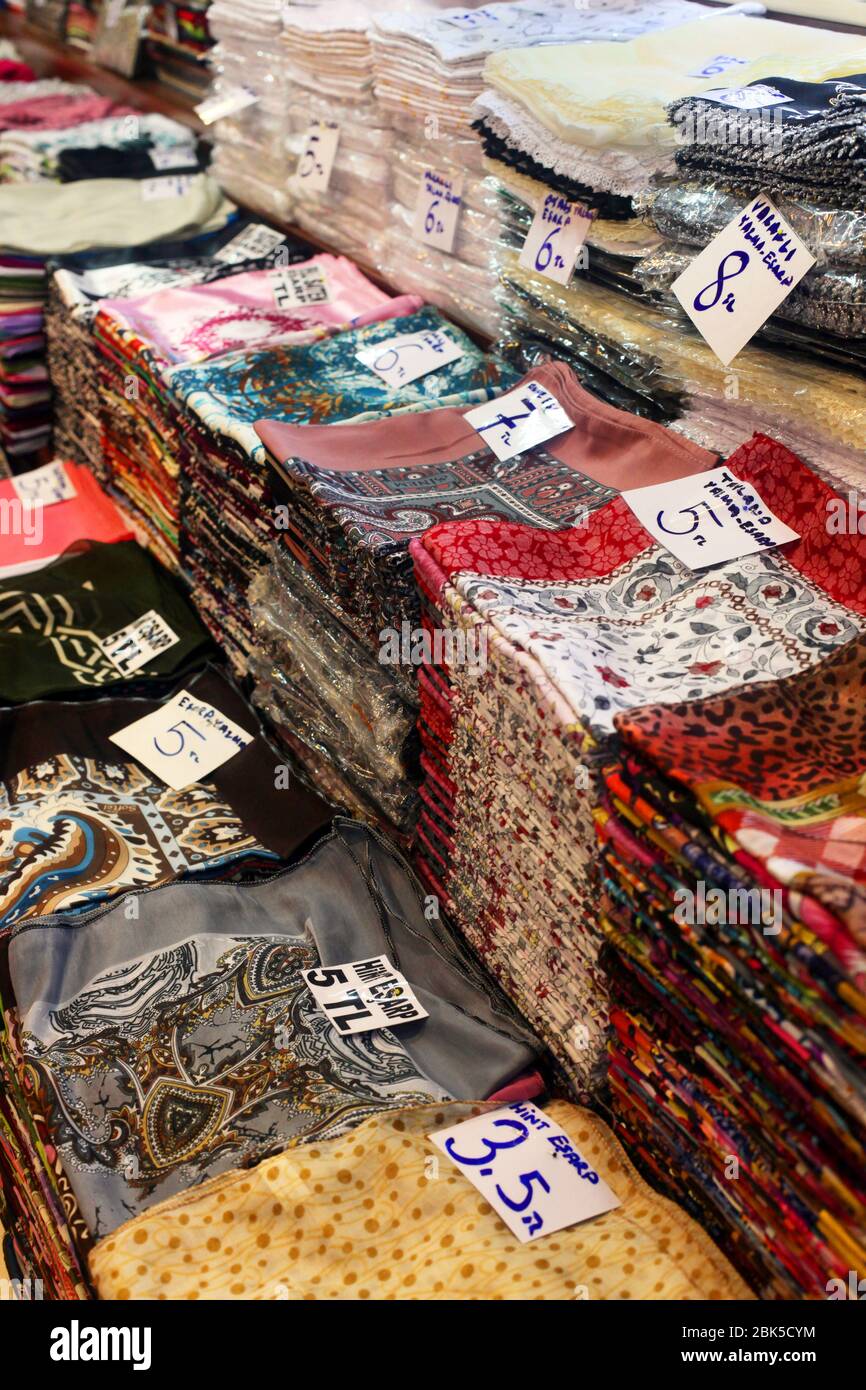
[411, 355]
[139, 643]
[558, 231]
[530, 1171]
[731, 289]
[183, 741]
[317, 159]
[437, 209]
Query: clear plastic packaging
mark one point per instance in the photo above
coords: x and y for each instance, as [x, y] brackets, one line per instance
[316, 676]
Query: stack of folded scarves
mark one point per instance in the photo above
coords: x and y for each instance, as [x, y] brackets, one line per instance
[160, 418]
[31, 155]
[81, 281]
[45, 533]
[250, 158]
[83, 824]
[224, 470]
[354, 498]
[40, 220]
[800, 143]
[328, 61]
[555, 121]
[216, 968]
[751, 799]
[178, 43]
[580, 626]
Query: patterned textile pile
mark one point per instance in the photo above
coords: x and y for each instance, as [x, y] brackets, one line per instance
[354, 498]
[802, 144]
[730, 829]
[178, 44]
[581, 626]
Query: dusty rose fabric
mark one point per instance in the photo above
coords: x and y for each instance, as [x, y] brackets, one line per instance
[59, 112]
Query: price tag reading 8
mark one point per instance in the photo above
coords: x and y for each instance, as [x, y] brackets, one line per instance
[558, 231]
[317, 160]
[409, 356]
[531, 1172]
[735, 284]
[437, 209]
[183, 741]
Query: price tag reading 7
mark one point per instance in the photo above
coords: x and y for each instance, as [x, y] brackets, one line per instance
[317, 160]
[437, 209]
[411, 355]
[553, 242]
[183, 741]
[519, 420]
[528, 1169]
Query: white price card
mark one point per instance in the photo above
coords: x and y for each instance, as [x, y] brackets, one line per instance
[363, 995]
[221, 104]
[708, 518]
[468, 19]
[747, 98]
[300, 284]
[558, 231]
[437, 209]
[167, 186]
[410, 355]
[250, 244]
[723, 62]
[172, 157]
[139, 643]
[44, 486]
[519, 420]
[317, 160]
[113, 10]
[530, 1171]
[735, 284]
[183, 741]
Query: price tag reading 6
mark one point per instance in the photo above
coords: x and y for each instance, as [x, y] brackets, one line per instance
[183, 741]
[409, 356]
[558, 231]
[437, 209]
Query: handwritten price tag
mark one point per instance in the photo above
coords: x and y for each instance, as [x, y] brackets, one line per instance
[731, 289]
[530, 1171]
[44, 486]
[409, 356]
[221, 104]
[183, 741]
[558, 231]
[172, 157]
[300, 284]
[708, 518]
[363, 995]
[437, 209]
[139, 643]
[169, 186]
[723, 62]
[317, 160]
[747, 98]
[519, 420]
[250, 244]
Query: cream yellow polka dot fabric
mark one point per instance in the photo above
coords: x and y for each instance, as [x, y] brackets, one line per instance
[382, 1214]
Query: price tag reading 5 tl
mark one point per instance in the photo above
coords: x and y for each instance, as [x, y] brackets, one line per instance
[528, 1169]
[183, 741]
[731, 289]
[363, 995]
[438, 209]
[557, 233]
